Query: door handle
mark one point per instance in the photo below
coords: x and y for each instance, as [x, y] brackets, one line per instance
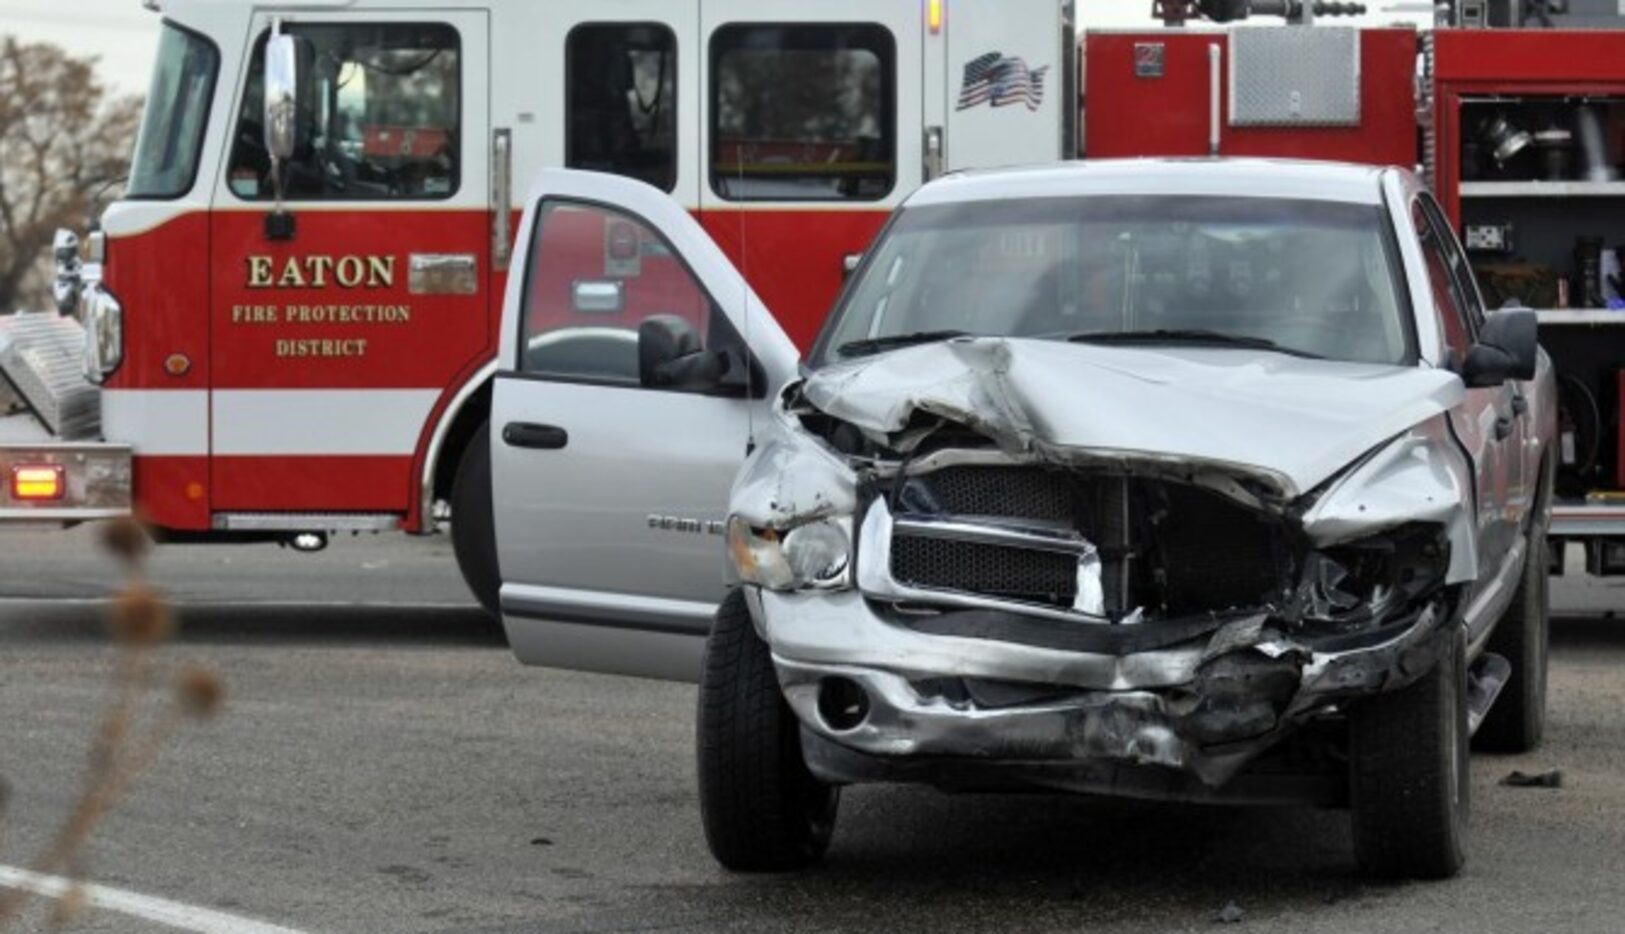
[539, 437]
[1503, 427]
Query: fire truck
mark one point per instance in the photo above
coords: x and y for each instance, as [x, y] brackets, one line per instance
[245, 354]
[249, 348]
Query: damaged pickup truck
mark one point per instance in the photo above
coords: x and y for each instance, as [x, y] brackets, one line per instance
[1190, 480]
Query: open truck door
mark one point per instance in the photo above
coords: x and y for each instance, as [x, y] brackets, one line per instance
[634, 359]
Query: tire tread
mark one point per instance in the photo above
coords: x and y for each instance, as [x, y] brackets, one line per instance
[753, 780]
[1403, 825]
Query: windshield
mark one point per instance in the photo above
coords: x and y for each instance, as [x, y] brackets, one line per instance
[1312, 278]
[166, 152]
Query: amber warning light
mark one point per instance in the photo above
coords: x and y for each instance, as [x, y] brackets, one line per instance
[36, 483]
[933, 15]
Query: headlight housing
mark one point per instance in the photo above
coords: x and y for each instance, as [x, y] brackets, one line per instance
[1363, 583]
[815, 555]
[104, 333]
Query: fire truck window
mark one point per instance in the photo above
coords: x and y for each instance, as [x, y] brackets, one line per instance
[177, 111]
[1447, 296]
[803, 112]
[622, 81]
[595, 275]
[378, 121]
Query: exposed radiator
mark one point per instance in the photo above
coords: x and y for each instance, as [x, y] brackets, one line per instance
[40, 358]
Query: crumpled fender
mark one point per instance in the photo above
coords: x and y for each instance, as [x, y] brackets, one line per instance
[791, 479]
[1421, 476]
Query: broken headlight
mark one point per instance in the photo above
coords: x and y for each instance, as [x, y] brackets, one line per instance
[817, 554]
[1366, 582]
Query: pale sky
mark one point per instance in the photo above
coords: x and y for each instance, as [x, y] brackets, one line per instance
[123, 34]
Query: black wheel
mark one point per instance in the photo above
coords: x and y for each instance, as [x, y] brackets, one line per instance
[1409, 773]
[1517, 719]
[473, 530]
[763, 810]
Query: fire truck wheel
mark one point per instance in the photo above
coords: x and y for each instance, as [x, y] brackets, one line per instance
[473, 532]
[762, 809]
[1517, 719]
[1408, 773]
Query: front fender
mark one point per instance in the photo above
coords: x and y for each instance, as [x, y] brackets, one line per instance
[791, 479]
[1420, 476]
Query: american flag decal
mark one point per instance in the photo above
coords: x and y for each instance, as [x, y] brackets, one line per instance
[1002, 80]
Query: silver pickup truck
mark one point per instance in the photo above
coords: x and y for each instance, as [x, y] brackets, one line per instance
[1192, 480]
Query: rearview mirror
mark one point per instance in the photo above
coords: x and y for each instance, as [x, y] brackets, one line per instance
[1507, 348]
[671, 356]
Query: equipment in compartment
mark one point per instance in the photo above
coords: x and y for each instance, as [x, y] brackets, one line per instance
[1587, 289]
[1531, 285]
[1542, 139]
[1619, 400]
[1545, 165]
[1489, 238]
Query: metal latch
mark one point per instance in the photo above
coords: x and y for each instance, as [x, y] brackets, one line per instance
[501, 198]
[933, 152]
[443, 274]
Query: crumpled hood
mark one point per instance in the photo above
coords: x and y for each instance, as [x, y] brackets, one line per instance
[1300, 420]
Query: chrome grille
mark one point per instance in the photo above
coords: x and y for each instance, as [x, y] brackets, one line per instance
[1005, 492]
[1029, 575]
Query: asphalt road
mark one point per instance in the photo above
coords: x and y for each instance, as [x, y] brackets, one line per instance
[383, 764]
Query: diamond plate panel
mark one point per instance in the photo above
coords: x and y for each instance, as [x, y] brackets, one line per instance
[40, 358]
[1295, 76]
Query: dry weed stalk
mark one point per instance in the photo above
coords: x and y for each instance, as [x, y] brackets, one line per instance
[124, 748]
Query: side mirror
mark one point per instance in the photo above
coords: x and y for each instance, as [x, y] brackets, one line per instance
[1508, 348]
[287, 64]
[671, 356]
[281, 95]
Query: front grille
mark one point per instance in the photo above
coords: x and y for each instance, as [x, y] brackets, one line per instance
[1024, 574]
[1167, 549]
[1004, 492]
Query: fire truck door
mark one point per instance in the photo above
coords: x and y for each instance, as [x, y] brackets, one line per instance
[336, 331]
[810, 135]
[610, 474]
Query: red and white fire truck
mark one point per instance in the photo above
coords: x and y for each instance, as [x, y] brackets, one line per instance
[288, 368]
[244, 354]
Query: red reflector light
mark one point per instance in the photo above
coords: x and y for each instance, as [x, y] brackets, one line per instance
[43, 482]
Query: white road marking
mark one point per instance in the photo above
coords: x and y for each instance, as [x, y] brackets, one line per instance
[146, 907]
[207, 604]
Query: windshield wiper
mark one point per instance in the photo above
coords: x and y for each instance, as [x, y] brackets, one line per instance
[1195, 336]
[874, 345]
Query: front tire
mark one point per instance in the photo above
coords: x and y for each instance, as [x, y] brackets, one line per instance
[1409, 773]
[473, 524]
[762, 809]
[1517, 720]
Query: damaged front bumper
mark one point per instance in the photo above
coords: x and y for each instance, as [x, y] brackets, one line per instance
[981, 699]
[1029, 610]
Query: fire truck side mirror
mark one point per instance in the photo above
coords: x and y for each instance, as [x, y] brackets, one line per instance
[281, 97]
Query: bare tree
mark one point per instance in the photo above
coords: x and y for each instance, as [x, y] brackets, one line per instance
[62, 140]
